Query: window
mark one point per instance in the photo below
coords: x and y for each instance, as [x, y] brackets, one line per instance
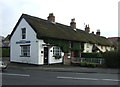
[23, 33]
[56, 51]
[25, 50]
[87, 45]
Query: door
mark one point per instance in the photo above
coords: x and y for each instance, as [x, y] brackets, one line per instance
[45, 55]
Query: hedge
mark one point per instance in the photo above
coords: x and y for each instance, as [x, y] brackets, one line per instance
[4, 52]
[91, 55]
[88, 64]
[112, 59]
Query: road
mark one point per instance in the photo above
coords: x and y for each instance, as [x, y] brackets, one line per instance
[29, 77]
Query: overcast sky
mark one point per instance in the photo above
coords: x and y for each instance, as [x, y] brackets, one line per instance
[99, 14]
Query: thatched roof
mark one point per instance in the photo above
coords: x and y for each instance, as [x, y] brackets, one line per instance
[47, 29]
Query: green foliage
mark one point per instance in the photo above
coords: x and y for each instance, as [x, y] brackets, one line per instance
[88, 64]
[76, 46]
[112, 59]
[92, 55]
[63, 44]
[4, 52]
[57, 57]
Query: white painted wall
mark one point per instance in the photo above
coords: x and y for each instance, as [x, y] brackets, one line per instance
[16, 49]
[36, 46]
[52, 59]
[41, 55]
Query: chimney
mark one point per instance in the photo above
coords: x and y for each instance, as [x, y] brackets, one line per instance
[98, 32]
[51, 17]
[73, 23]
[87, 28]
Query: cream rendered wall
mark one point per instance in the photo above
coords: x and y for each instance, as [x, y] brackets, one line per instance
[108, 48]
[112, 48]
[102, 48]
[88, 47]
[16, 49]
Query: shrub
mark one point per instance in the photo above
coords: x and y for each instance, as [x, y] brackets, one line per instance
[112, 59]
[57, 56]
[91, 55]
[83, 64]
[88, 64]
[5, 52]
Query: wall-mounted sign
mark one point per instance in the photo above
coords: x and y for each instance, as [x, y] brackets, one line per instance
[23, 42]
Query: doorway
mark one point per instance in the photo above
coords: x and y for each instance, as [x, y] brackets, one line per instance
[45, 55]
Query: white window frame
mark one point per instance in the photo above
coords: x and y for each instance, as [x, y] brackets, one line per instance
[25, 51]
[23, 33]
[56, 51]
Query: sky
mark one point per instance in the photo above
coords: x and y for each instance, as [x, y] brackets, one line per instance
[99, 14]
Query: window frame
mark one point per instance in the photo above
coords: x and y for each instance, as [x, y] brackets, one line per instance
[56, 51]
[25, 52]
[23, 33]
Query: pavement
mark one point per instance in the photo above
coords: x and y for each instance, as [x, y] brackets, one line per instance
[62, 68]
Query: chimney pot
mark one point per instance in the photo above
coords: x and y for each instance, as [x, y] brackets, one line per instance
[73, 23]
[51, 17]
[98, 32]
[87, 28]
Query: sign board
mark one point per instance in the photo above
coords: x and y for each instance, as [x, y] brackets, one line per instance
[23, 42]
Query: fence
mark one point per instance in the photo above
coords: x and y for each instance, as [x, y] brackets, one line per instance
[93, 60]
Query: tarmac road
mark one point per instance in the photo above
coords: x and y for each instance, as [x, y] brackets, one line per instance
[30, 77]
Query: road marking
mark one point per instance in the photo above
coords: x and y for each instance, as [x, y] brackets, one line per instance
[12, 74]
[75, 78]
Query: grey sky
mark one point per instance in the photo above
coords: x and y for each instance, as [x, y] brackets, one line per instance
[99, 14]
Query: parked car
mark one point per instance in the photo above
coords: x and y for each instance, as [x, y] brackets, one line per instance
[3, 65]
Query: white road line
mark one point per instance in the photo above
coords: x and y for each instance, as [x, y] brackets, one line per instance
[75, 78]
[12, 74]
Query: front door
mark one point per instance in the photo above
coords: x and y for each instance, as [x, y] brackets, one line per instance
[45, 55]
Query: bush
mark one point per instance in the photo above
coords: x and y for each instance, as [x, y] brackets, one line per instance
[5, 52]
[91, 55]
[112, 59]
[88, 64]
[57, 57]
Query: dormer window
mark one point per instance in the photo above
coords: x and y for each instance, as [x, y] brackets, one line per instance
[23, 33]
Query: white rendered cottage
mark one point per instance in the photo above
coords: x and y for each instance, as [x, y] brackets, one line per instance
[28, 41]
